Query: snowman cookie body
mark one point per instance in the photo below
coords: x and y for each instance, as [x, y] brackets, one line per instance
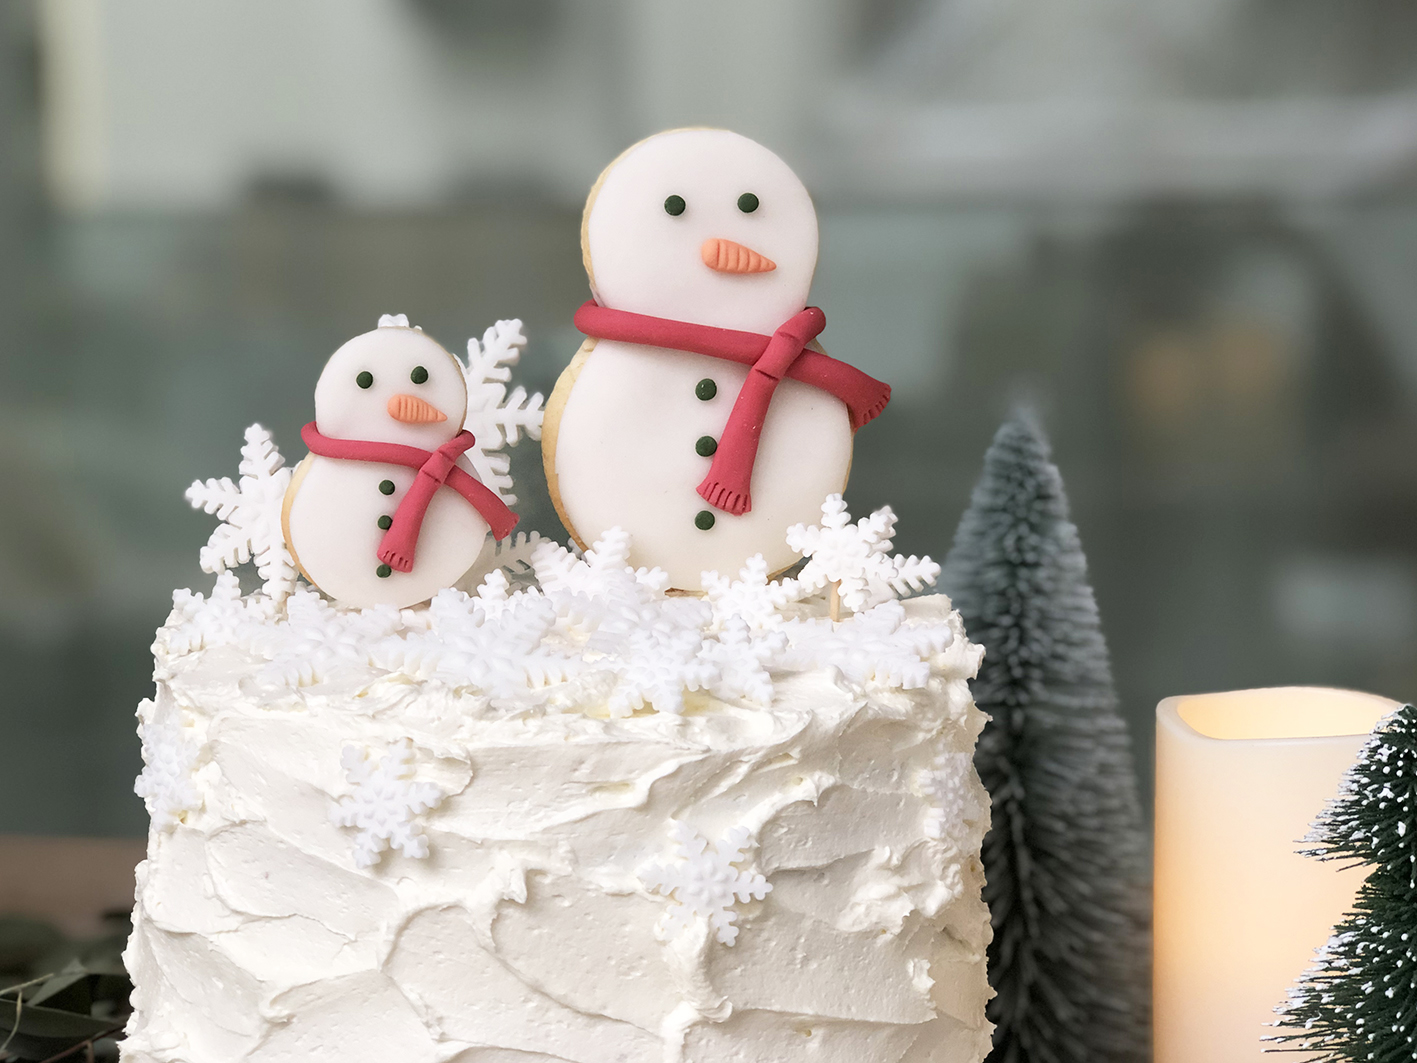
[393, 385]
[707, 227]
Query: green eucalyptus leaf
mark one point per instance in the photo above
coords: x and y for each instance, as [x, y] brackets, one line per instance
[43, 1032]
[24, 941]
[66, 991]
[40, 1021]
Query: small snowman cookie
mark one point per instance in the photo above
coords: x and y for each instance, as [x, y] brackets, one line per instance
[700, 416]
[386, 509]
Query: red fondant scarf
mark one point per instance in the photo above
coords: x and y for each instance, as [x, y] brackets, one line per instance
[436, 468]
[726, 486]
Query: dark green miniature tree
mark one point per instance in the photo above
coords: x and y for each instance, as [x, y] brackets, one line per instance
[1066, 857]
[1359, 1000]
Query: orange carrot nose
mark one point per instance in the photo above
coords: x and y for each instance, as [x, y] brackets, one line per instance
[725, 256]
[410, 409]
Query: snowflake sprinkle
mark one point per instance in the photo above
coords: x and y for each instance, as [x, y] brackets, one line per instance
[497, 419]
[222, 618]
[385, 804]
[704, 881]
[169, 758]
[857, 557]
[250, 511]
[875, 646]
[954, 811]
[752, 596]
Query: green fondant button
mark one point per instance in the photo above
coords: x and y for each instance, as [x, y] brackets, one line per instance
[704, 520]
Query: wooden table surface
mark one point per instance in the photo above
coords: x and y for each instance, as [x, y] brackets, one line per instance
[69, 882]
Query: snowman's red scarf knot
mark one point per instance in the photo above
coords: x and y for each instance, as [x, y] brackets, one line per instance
[436, 468]
[783, 354]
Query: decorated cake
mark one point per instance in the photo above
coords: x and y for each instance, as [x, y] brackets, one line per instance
[426, 790]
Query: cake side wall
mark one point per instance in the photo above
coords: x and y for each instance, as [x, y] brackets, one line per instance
[531, 932]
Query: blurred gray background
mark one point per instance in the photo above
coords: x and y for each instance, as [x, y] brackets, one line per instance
[1186, 231]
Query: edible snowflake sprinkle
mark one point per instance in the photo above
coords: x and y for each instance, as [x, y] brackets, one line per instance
[511, 558]
[496, 419]
[954, 811]
[752, 597]
[169, 759]
[539, 627]
[316, 638]
[874, 646]
[857, 557]
[704, 882]
[385, 804]
[250, 512]
[394, 321]
[222, 618]
[742, 661]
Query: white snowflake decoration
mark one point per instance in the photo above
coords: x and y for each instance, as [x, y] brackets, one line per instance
[656, 658]
[169, 760]
[704, 882]
[317, 638]
[385, 804]
[496, 419]
[510, 557]
[395, 321]
[250, 512]
[602, 580]
[954, 811]
[875, 646]
[742, 661]
[857, 557]
[494, 643]
[752, 597]
[222, 618]
[650, 643]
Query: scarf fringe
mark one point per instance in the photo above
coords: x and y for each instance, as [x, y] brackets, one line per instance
[395, 560]
[722, 496]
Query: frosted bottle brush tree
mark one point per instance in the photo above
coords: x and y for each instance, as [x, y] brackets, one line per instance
[1359, 1000]
[1066, 858]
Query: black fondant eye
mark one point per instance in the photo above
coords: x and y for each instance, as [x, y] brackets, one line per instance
[674, 206]
[747, 202]
[419, 375]
[365, 380]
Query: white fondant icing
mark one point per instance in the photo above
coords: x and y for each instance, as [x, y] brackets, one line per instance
[625, 449]
[345, 410]
[335, 532]
[642, 259]
[336, 505]
[625, 456]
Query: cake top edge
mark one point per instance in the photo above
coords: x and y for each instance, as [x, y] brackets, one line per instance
[537, 625]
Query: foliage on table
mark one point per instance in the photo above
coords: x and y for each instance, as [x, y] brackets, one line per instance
[1359, 1000]
[1066, 858]
[61, 999]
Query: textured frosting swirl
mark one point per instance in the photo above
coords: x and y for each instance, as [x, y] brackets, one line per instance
[533, 932]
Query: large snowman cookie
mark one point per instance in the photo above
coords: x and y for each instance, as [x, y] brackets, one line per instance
[693, 418]
[386, 509]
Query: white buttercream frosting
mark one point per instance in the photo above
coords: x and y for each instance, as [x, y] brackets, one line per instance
[761, 873]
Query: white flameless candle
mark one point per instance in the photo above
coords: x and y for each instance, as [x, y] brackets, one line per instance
[1239, 778]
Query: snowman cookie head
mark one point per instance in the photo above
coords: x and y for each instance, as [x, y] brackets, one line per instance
[392, 385]
[701, 225]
